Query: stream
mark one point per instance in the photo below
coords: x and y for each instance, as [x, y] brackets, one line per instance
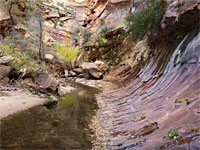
[61, 126]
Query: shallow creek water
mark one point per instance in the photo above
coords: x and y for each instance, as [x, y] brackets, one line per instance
[64, 126]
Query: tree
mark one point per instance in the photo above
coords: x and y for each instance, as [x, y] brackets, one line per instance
[34, 13]
[34, 19]
[144, 21]
[10, 5]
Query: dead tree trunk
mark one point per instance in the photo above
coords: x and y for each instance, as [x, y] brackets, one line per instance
[40, 39]
[11, 16]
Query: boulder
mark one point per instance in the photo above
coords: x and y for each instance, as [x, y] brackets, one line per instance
[66, 73]
[4, 71]
[86, 74]
[49, 57]
[60, 67]
[95, 73]
[101, 66]
[5, 80]
[91, 71]
[75, 64]
[72, 74]
[46, 82]
[43, 80]
[99, 63]
[78, 70]
[87, 66]
[27, 81]
[80, 75]
[6, 59]
[64, 64]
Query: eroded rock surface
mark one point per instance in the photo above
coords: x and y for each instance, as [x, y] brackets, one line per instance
[173, 73]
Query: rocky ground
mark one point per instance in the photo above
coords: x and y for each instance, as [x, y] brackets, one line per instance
[20, 90]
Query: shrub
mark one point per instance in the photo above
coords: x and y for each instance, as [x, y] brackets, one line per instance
[61, 24]
[21, 57]
[102, 21]
[68, 53]
[77, 31]
[55, 21]
[104, 30]
[143, 21]
[87, 33]
[100, 40]
[171, 134]
[61, 4]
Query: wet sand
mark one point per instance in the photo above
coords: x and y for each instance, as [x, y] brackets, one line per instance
[13, 100]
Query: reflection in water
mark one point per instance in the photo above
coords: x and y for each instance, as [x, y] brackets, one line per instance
[62, 127]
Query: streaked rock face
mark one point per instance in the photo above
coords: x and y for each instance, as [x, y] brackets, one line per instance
[4, 19]
[152, 88]
[3, 11]
[70, 18]
[175, 8]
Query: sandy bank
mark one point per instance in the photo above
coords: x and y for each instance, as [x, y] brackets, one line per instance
[13, 100]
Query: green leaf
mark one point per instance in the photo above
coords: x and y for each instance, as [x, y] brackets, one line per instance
[171, 134]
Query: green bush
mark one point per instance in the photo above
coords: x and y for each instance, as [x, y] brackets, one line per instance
[61, 4]
[143, 21]
[171, 134]
[102, 22]
[100, 40]
[68, 53]
[104, 30]
[86, 35]
[21, 58]
[87, 32]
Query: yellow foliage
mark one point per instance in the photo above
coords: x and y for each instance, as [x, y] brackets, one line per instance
[198, 7]
[68, 41]
[21, 58]
[68, 53]
[142, 116]
[163, 26]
